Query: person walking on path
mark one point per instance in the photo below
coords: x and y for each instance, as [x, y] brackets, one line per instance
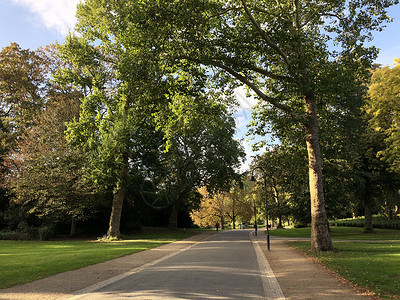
[217, 226]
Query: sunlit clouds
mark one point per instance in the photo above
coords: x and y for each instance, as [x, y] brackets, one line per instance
[58, 15]
[243, 117]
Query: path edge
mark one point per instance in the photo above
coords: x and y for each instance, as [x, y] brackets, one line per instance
[82, 292]
[271, 285]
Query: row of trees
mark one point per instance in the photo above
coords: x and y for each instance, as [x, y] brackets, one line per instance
[228, 207]
[165, 67]
[77, 133]
[279, 50]
[361, 173]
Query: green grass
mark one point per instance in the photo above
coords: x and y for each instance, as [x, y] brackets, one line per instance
[24, 261]
[345, 233]
[372, 266]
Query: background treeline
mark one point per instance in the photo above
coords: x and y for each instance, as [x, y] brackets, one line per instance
[360, 159]
[62, 152]
[119, 127]
[77, 141]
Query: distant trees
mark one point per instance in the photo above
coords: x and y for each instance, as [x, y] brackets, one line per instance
[383, 110]
[280, 51]
[212, 209]
[89, 132]
[228, 207]
[150, 112]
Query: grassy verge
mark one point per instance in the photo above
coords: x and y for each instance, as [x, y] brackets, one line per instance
[24, 261]
[372, 266]
[344, 233]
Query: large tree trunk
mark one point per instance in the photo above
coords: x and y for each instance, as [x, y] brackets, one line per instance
[278, 206]
[320, 239]
[118, 201]
[368, 208]
[72, 231]
[173, 218]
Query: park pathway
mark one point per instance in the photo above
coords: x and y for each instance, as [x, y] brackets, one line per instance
[226, 266]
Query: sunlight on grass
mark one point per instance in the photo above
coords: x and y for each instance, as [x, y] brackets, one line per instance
[24, 261]
[344, 233]
[369, 265]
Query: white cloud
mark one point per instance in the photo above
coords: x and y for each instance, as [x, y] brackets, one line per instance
[58, 15]
[245, 102]
[242, 117]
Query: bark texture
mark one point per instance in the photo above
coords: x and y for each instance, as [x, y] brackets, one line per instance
[320, 239]
[173, 218]
[118, 201]
[72, 231]
[368, 208]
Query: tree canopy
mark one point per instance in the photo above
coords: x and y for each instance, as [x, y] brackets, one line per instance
[146, 90]
[279, 50]
[383, 107]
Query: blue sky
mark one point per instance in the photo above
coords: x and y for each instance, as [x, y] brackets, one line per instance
[36, 23]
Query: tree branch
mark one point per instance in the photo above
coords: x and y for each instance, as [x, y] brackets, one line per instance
[259, 93]
[270, 74]
[296, 12]
[264, 35]
[224, 12]
[257, 69]
[323, 15]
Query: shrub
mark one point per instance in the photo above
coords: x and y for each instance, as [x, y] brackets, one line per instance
[46, 233]
[377, 222]
[10, 235]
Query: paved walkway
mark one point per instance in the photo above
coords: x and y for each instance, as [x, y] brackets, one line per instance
[65, 284]
[224, 266]
[298, 277]
[301, 278]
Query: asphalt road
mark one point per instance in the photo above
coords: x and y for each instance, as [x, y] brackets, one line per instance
[226, 266]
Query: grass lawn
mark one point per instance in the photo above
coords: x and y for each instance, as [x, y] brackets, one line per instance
[343, 233]
[24, 261]
[375, 266]
[372, 266]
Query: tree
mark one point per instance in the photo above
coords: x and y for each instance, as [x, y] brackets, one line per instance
[45, 174]
[114, 112]
[200, 149]
[279, 50]
[383, 109]
[212, 209]
[235, 204]
[47, 177]
[22, 89]
[378, 160]
[108, 121]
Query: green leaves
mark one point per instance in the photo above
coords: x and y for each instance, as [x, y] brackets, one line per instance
[383, 110]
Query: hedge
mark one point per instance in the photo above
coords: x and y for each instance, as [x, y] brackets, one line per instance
[377, 222]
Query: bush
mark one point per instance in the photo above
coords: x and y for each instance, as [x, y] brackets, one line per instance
[300, 225]
[46, 233]
[377, 222]
[26, 232]
[10, 235]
